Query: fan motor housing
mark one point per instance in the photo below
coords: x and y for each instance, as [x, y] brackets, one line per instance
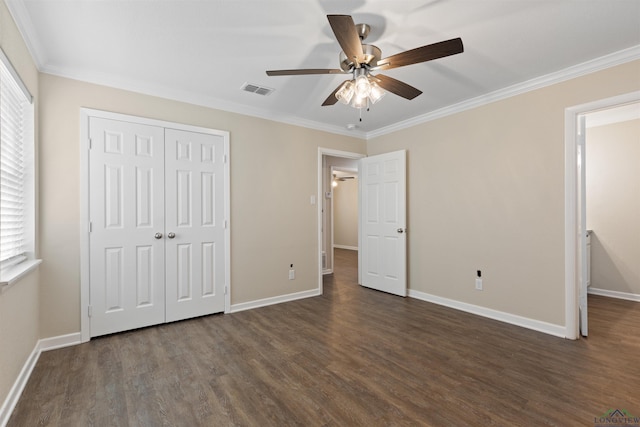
[372, 55]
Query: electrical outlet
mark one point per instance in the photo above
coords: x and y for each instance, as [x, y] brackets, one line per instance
[292, 274]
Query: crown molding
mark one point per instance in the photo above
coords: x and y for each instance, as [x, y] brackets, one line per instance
[20, 15]
[18, 11]
[167, 92]
[604, 62]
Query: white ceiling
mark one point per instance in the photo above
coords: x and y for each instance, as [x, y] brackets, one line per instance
[204, 51]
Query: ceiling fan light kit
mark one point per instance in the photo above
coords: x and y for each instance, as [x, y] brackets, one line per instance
[361, 91]
[358, 59]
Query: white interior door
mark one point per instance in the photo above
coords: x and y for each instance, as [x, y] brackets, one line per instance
[383, 245]
[157, 211]
[195, 245]
[582, 226]
[126, 210]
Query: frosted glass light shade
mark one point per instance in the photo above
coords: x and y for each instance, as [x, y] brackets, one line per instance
[363, 86]
[359, 102]
[376, 94]
[345, 93]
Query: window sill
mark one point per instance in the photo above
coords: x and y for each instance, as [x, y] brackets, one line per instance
[11, 275]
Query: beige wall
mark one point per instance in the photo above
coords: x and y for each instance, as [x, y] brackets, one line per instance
[345, 213]
[273, 223]
[486, 192]
[19, 304]
[613, 205]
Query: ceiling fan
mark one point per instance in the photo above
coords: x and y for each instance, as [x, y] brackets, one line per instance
[361, 60]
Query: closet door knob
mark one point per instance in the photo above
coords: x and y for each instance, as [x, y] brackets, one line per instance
[158, 236]
[171, 235]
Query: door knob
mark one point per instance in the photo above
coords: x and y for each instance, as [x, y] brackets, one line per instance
[400, 230]
[171, 235]
[158, 236]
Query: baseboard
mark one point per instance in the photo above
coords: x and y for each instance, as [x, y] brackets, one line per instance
[614, 294]
[350, 248]
[45, 344]
[12, 398]
[273, 300]
[60, 341]
[525, 322]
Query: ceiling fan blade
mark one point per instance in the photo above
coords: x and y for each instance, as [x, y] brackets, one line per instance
[396, 86]
[347, 36]
[422, 54]
[331, 99]
[304, 72]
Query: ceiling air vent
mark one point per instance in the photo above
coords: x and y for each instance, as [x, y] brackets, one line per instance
[260, 90]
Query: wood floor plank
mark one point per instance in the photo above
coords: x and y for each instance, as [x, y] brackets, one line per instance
[353, 356]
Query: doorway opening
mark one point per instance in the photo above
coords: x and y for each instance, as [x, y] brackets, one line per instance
[344, 210]
[336, 169]
[612, 189]
[576, 250]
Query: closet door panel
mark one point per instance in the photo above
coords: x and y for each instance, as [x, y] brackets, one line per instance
[126, 210]
[194, 217]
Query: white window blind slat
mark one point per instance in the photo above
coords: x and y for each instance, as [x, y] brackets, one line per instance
[13, 103]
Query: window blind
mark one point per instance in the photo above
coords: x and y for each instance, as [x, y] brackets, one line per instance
[13, 103]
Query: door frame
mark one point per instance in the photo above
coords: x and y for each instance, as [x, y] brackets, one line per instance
[85, 114]
[571, 219]
[320, 199]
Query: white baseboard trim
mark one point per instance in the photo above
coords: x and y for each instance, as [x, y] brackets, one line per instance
[525, 322]
[44, 344]
[351, 248]
[12, 398]
[60, 341]
[273, 300]
[614, 294]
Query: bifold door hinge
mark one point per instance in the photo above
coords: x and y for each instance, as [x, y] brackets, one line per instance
[224, 158]
[90, 226]
[89, 311]
[226, 290]
[90, 143]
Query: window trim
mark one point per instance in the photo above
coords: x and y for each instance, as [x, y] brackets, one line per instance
[14, 270]
[7, 63]
[11, 275]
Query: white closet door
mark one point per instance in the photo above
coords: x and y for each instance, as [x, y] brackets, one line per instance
[194, 218]
[126, 164]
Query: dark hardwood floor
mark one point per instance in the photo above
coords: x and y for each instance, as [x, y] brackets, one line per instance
[353, 356]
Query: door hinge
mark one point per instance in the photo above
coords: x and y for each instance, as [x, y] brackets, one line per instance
[90, 226]
[226, 289]
[90, 143]
[225, 224]
[89, 311]
[224, 158]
